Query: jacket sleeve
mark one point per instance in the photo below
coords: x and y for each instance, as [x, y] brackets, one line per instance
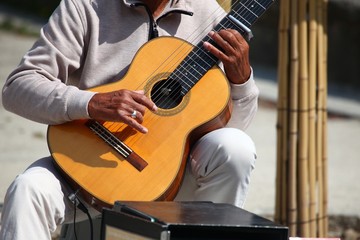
[39, 88]
[245, 103]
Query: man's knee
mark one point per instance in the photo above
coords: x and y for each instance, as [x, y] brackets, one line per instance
[230, 149]
[237, 146]
[24, 185]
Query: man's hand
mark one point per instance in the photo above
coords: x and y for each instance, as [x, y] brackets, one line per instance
[119, 106]
[235, 54]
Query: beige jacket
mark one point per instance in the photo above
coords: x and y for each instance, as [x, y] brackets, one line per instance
[87, 43]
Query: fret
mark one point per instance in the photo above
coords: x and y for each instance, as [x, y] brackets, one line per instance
[241, 17]
[249, 10]
[269, 3]
[194, 66]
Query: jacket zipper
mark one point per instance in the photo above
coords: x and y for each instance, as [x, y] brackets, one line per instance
[153, 31]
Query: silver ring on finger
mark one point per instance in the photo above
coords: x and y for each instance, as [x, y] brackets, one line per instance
[134, 113]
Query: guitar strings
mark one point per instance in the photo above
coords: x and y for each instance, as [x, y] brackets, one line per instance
[194, 38]
[163, 68]
[238, 14]
[188, 69]
[196, 34]
[198, 51]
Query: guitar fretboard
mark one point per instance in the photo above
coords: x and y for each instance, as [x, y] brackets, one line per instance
[241, 17]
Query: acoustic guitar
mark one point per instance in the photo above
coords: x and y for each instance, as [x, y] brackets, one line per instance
[109, 161]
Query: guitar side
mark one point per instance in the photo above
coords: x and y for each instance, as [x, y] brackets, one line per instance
[102, 174]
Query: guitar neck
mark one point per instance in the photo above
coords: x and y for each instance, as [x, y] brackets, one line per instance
[242, 16]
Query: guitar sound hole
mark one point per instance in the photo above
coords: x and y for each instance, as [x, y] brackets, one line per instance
[166, 94]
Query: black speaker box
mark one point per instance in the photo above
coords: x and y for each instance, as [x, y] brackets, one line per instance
[186, 220]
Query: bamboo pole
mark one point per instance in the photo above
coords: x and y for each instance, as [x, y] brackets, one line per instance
[303, 160]
[320, 121]
[279, 123]
[312, 115]
[325, 147]
[322, 113]
[301, 129]
[282, 106]
[293, 122]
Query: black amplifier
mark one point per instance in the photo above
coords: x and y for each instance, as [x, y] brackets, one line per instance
[186, 220]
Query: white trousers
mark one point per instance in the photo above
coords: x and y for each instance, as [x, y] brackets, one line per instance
[219, 170]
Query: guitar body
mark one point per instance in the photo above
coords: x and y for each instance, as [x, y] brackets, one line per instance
[104, 176]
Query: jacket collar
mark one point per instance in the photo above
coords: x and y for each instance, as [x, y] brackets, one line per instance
[174, 6]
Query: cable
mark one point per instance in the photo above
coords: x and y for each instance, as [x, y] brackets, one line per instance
[78, 204]
[75, 220]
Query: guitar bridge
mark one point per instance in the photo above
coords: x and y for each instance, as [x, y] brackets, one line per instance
[134, 159]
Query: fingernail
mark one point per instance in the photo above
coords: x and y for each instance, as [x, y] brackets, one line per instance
[207, 46]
